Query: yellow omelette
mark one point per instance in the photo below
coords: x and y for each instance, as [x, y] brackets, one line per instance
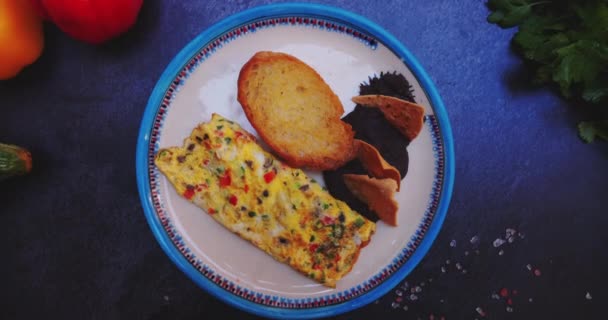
[222, 169]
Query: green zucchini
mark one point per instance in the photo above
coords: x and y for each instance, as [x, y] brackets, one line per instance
[14, 161]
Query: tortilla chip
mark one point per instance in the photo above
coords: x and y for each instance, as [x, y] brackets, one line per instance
[375, 164]
[407, 117]
[376, 193]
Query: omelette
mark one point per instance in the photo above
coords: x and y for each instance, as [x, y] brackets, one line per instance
[224, 171]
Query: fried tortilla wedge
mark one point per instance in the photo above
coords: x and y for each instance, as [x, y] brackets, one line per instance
[375, 164]
[407, 117]
[376, 193]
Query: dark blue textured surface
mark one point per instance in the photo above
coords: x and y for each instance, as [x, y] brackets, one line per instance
[76, 244]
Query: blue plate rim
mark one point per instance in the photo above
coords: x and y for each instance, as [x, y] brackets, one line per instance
[211, 33]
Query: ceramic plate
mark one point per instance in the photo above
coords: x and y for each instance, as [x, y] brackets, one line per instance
[345, 49]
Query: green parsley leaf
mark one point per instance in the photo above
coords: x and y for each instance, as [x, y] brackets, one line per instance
[595, 93]
[510, 13]
[577, 65]
[566, 42]
[588, 131]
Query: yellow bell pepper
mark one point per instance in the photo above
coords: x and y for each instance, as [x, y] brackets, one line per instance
[21, 37]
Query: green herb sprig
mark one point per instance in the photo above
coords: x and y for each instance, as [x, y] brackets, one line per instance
[567, 43]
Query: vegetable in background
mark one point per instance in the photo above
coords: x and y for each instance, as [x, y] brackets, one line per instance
[567, 44]
[21, 37]
[91, 21]
[14, 161]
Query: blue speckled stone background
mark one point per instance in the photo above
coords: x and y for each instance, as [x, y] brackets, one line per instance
[76, 244]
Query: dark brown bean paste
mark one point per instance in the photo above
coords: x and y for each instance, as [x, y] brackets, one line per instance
[371, 126]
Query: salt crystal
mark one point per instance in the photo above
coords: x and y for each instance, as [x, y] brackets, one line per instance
[509, 309]
[588, 296]
[474, 240]
[458, 266]
[453, 243]
[442, 269]
[447, 261]
[529, 267]
[511, 239]
[422, 284]
[498, 242]
[530, 300]
[521, 235]
[398, 292]
[495, 296]
[405, 308]
[418, 289]
[413, 297]
[166, 298]
[395, 305]
[501, 252]
[466, 253]
[480, 311]
[509, 232]
[430, 280]
[441, 300]
[464, 271]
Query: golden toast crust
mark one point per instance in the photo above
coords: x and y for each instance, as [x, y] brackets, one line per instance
[295, 112]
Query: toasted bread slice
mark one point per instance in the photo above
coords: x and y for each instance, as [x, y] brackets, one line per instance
[406, 116]
[377, 193]
[295, 112]
[375, 164]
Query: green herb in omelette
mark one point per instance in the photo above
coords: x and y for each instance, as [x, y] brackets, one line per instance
[359, 222]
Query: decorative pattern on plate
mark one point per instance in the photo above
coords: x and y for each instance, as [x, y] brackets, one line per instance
[299, 21]
[220, 41]
[172, 232]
